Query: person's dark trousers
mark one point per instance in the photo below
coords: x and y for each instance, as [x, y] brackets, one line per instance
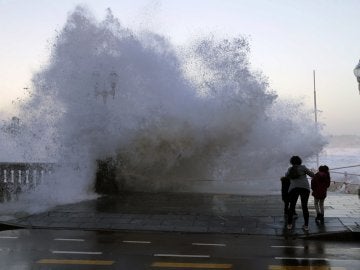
[285, 184]
[304, 196]
[286, 206]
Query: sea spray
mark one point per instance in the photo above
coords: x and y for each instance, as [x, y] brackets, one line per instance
[168, 117]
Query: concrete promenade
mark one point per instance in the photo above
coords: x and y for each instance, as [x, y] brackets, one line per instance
[197, 213]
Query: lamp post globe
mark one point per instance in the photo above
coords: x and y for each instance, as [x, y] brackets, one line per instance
[357, 74]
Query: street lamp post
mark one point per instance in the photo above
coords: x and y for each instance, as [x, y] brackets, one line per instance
[316, 118]
[113, 77]
[101, 85]
[357, 74]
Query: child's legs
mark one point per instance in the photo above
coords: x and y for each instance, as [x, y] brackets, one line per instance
[317, 206]
[321, 205]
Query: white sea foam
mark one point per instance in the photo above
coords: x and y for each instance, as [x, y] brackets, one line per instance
[177, 116]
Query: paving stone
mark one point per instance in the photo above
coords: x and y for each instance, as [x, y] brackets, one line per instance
[66, 225]
[151, 222]
[158, 228]
[120, 226]
[178, 222]
[189, 229]
[137, 221]
[200, 223]
[119, 220]
[221, 213]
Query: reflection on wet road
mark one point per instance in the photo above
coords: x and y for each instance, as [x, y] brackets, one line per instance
[59, 249]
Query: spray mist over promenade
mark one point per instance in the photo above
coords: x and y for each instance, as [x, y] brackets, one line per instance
[166, 116]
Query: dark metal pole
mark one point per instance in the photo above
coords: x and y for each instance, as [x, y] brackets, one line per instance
[316, 118]
[315, 106]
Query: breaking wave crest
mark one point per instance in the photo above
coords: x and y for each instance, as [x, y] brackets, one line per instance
[166, 116]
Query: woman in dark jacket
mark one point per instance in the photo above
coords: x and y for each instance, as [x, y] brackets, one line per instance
[319, 186]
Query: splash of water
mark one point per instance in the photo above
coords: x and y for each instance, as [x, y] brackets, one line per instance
[168, 117]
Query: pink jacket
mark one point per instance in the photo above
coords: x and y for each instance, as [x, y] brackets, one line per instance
[319, 184]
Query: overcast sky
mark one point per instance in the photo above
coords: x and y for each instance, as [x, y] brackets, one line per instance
[288, 39]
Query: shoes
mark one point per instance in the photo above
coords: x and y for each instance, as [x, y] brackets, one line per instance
[289, 226]
[319, 219]
[305, 228]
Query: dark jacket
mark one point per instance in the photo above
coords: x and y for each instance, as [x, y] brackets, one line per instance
[320, 184]
[285, 183]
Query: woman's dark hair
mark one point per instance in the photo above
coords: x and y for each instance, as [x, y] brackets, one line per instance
[295, 160]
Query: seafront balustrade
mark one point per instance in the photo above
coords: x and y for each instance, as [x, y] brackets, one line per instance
[19, 177]
[16, 178]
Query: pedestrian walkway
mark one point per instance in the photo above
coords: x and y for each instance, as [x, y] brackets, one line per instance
[196, 213]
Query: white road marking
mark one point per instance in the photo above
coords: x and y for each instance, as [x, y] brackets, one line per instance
[313, 259]
[208, 244]
[287, 247]
[9, 237]
[76, 252]
[136, 242]
[182, 255]
[301, 247]
[69, 239]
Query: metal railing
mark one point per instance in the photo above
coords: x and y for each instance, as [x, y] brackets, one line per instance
[346, 174]
[344, 185]
[19, 177]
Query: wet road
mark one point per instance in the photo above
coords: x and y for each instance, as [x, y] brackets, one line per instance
[60, 249]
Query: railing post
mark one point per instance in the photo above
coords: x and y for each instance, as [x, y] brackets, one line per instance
[27, 177]
[35, 177]
[5, 176]
[12, 176]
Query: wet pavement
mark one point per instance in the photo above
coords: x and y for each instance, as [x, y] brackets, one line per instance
[197, 213]
[78, 249]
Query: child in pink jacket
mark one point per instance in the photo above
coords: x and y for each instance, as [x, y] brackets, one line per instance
[319, 185]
